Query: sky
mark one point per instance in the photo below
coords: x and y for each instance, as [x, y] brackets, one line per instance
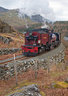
[50, 9]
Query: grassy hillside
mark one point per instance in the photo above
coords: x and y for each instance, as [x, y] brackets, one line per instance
[5, 28]
[62, 27]
[12, 18]
[7, 32]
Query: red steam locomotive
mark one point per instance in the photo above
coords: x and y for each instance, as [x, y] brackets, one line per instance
[39, 40]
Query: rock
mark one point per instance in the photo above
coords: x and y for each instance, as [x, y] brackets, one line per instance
[6, 40]
[5, 28]
[53, 85]
[59, 84]
[1, 38]
[66, 80]
[31, 90]
[24, 69]
[0, 52]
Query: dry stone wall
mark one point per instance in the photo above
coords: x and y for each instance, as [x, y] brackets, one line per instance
[7, 70]
[5, 51]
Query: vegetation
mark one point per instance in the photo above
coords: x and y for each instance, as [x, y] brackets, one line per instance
[12, 18]
[62, 27]
[43, 80]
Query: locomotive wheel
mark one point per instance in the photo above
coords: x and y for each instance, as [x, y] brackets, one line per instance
[52, 47]
[40, 51]
[48, 47]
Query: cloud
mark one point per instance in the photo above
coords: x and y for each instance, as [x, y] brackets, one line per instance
[50, 9]
[60, 8]
[10, 4]
[30, 7]
[37, 7]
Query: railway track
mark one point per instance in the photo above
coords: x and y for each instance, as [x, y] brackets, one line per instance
[20, 57]
[42, 56]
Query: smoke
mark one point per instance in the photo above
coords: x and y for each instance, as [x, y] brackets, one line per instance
[34, 7]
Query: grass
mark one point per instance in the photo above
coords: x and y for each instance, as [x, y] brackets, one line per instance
[11, 17]
[42, 93]
[18, 40]
[63, 84]
[60, 84]
[19, 86]
[43, 81]
[58, 73]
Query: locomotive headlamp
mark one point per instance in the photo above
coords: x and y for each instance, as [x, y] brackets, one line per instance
[39, 41]
[53, 36]
[30, 33]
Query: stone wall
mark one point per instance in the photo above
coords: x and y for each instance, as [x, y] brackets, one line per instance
[7, 70]
[5, 51]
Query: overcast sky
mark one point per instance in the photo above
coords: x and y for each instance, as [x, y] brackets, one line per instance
[51, 9]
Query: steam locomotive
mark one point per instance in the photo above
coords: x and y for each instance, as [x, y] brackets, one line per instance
[39, 40]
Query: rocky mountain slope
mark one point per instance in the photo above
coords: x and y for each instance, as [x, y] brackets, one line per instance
[5, 28]
[62, 27]
[12, 17]
[3, 9]
[9, 37]
[39, 18]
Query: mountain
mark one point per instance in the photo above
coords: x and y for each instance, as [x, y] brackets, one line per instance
[12, 17]
[15, 12]
[3, 9]
[9, 37]
[39, 18]
[19, 23]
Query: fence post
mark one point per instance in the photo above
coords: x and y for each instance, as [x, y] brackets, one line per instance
[36, 69]
[15, 69]
[48, 65]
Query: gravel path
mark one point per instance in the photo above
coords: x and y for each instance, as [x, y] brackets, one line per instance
[52, 52]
